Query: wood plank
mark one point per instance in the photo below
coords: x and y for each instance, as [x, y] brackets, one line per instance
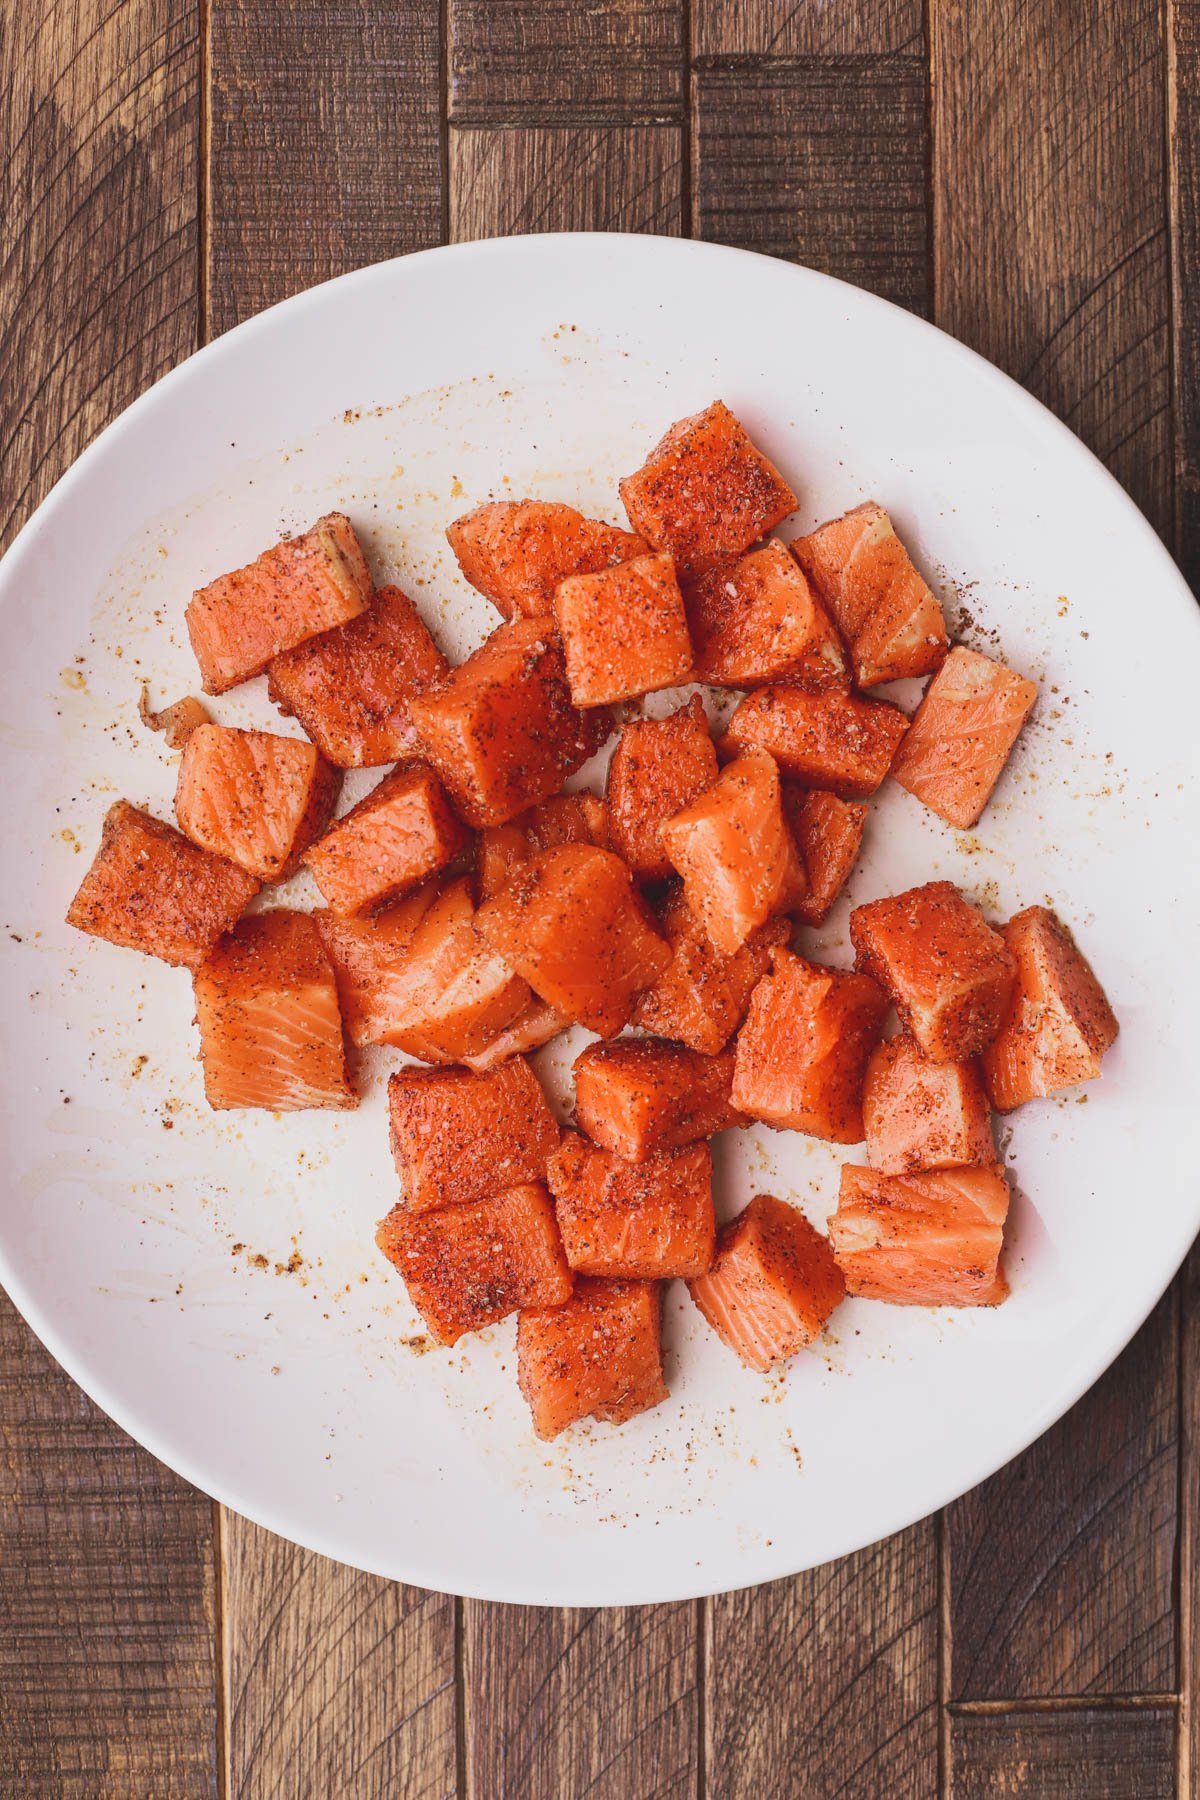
[807, 27]
[1183, 24]
[564, 178]
[1189, 1532]
[1094, 1753]
[552, 59]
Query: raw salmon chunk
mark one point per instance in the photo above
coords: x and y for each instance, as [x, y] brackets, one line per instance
[658, 766]
[401, 832]
[254, 797]
[517, 551]
[270, 1028]
[350, 688]
[502, 732]
[773, 1285]
[1059, 1024]
[534, 1026]
[924, 1115]
[574, 927]
[150, 889]
[295, 591]
[705, 493]
[758, 620]
[922, 1240]
[624, 631]
[949, 974]
[599, 1356]
[641, 1095]
[702, 995]
[962, 735]
[457, 1136]
[828, 834]
[829, 740]
[472, 1265]
[802, 1053]
[734, 850]
[883, 607]
[563, 819]
[647, 1220]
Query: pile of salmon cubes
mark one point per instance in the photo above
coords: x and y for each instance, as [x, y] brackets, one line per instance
[473, 910]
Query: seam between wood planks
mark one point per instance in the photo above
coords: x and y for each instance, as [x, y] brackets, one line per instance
[204, 176]
[944, 1747]
[1064, 1703]
[221, 1659]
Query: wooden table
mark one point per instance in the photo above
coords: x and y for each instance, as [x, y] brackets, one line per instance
[1025, 173]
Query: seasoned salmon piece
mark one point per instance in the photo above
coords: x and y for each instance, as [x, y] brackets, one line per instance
[150, 889]
[177, 721]
[829, 740]
[641, 1096]
[962, 735]
[350, 688]
[648, 1221]
[254, 797]
[734, 850]
[470, 1266]
[705, 493]
[883, 607]
[949, 974]
[401, 832]
[573, 925]
[295, 591]
[457, 1136]
[517, 551]
[624, 631]
[600, 1355]
[1059, 1024]
[924, 1115]
[802, 1053]
[563, 819]
[828, 834]
[758, 620]
[922, 1240]
[702, 995]
[270, 1028]
[773, 1285]
[657, 768]
[534, 1026]
[501, 732]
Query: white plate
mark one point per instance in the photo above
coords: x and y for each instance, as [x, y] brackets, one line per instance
[146, 1257]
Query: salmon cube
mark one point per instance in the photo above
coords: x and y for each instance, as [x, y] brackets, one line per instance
[501, 732]
[350, 688]
[924, 1115]
[641, 1096]
[882, 605]
[773, 1285]
[758, 620]
[657, 768]
[457, 1136]
[254, 797]
[922, 1240]
[399, 833]
[517, 551]
[270, 1028]
[828, 834]
[563, 819]
[705, 493]
[624, 631]
[534, 1026]
[295, 591]
[702, 995]
[648, 1221]
[574, 927]
[151, 889]
[470, 1266]
[949, 974]
[831, 740]
[1059, 1024]
[599, 1356]
[962, 734]
[802, 1053]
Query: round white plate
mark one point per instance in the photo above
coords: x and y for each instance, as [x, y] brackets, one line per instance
[212, 1280]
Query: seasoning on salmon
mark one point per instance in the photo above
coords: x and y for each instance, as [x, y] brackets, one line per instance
[350, 688]
[705, 493]
[254, 797]
[758, 620]
[502, 732]
[734, 850]
[270, 1028]
[534, 1026]
[401, 832]
[563, 819]
[1059, 1024]
[924, 1115]
[640, 1096]
[598, 1356]
[517, 551]
[702, 995]
[962, 734]
[150, 889]
[624, 631]
[177, 721]
[470, 1266]
[922, 1240]
[802, 1053]
[649, 1221]
[949, 974]
[829, 740]
[295, 591]
[773, 1285]
[574, 927]
[882, 605]
[657, 768]
[828, 834]
[457, 1136]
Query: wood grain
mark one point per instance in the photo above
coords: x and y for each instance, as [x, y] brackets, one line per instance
[623, 178]
[547, 60]
[1088, 1754]
[1189, 1530]
[1183, 26]
[807, 27]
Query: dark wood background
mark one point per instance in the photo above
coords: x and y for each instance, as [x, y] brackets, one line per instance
[1025, 173]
